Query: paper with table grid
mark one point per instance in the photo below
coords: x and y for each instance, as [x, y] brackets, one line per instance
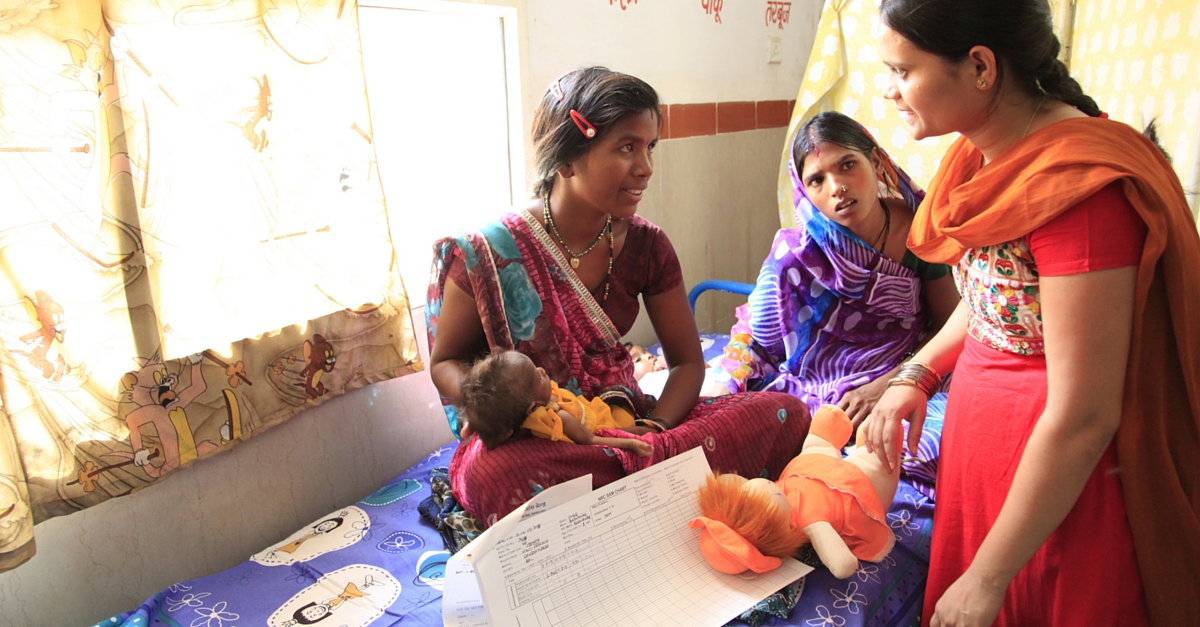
[619, 555]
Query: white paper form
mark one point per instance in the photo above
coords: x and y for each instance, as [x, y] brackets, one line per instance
[620, 555]
[462, 602]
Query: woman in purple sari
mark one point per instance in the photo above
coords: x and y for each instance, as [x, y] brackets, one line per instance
[840, 299]
[559, 280]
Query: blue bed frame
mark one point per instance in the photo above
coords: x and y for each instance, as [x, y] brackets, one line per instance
[722, 286]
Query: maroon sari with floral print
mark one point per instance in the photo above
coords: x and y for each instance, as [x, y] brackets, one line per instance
[529, 299]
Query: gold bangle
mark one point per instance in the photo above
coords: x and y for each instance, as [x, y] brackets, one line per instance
[919, 363]
[924, 377]
[919, 384]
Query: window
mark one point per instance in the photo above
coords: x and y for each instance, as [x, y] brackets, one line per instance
[444, 92]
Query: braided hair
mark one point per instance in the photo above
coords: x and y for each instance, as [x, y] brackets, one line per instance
[1019, 32]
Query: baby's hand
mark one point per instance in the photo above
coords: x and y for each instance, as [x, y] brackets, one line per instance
[642, 449]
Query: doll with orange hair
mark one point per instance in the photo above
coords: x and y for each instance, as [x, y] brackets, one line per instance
[839, 505]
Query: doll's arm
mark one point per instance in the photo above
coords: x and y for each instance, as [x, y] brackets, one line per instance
[579, 434]
[832, 550]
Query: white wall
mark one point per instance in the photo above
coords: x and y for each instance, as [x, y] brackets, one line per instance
[674, 45]
[715, 195]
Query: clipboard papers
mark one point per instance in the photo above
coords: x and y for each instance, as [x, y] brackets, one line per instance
[620, 555]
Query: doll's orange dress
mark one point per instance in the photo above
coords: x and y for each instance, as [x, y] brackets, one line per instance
[594, 413]
[826, 488]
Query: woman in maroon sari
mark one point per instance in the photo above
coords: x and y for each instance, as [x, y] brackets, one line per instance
[560, 281]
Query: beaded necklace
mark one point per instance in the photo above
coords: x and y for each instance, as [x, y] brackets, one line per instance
[548, 221]
[575, 257]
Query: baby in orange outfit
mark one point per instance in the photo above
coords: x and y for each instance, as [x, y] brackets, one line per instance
[505, 393]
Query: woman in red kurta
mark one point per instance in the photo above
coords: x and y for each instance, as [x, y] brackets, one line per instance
[1090, 554]
[1067, 489]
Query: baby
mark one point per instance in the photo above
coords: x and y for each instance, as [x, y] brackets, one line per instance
[505, 393]
[645, 362]
[651, 372]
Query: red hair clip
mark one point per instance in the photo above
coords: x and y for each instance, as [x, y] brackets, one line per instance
[585, 127]
[556, 89]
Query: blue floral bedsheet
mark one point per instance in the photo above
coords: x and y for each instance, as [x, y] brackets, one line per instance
[377, 562]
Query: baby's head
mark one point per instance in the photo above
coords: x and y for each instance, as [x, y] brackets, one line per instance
[644, 361]
[499, 392]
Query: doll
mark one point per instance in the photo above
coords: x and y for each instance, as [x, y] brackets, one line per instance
[505, 394]
[839, 505]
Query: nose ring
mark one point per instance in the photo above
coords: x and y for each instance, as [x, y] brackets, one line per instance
[843, 189]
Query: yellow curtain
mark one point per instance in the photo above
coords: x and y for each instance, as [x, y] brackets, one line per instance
[193, 239]
[1139, 61]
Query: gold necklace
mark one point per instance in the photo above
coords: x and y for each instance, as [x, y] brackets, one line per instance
[1034, 116]
[575, 257]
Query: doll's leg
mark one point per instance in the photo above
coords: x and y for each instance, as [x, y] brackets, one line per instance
[832, 550]
[828, 433]
[831, 424]
[885, 484]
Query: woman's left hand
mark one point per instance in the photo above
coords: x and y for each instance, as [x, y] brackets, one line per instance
[968, 602]
[859, 402]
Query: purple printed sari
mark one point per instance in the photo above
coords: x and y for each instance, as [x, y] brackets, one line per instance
[829, 313]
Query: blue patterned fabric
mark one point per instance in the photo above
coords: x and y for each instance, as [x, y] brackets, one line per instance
[889, 593]
[380, 546]
[922, 469]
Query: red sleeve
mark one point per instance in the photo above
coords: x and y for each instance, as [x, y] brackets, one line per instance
[663, 264]
[1102, 232]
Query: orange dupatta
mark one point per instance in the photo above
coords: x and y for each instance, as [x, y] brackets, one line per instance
[1158, 441]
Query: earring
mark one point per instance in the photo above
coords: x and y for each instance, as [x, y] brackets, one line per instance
[982, 82]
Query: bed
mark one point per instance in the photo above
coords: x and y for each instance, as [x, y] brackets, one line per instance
[381, 548]
[379, 561]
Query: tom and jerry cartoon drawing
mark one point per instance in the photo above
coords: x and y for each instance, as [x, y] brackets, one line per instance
[162, 403]
[47, 337]
[318, 360]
